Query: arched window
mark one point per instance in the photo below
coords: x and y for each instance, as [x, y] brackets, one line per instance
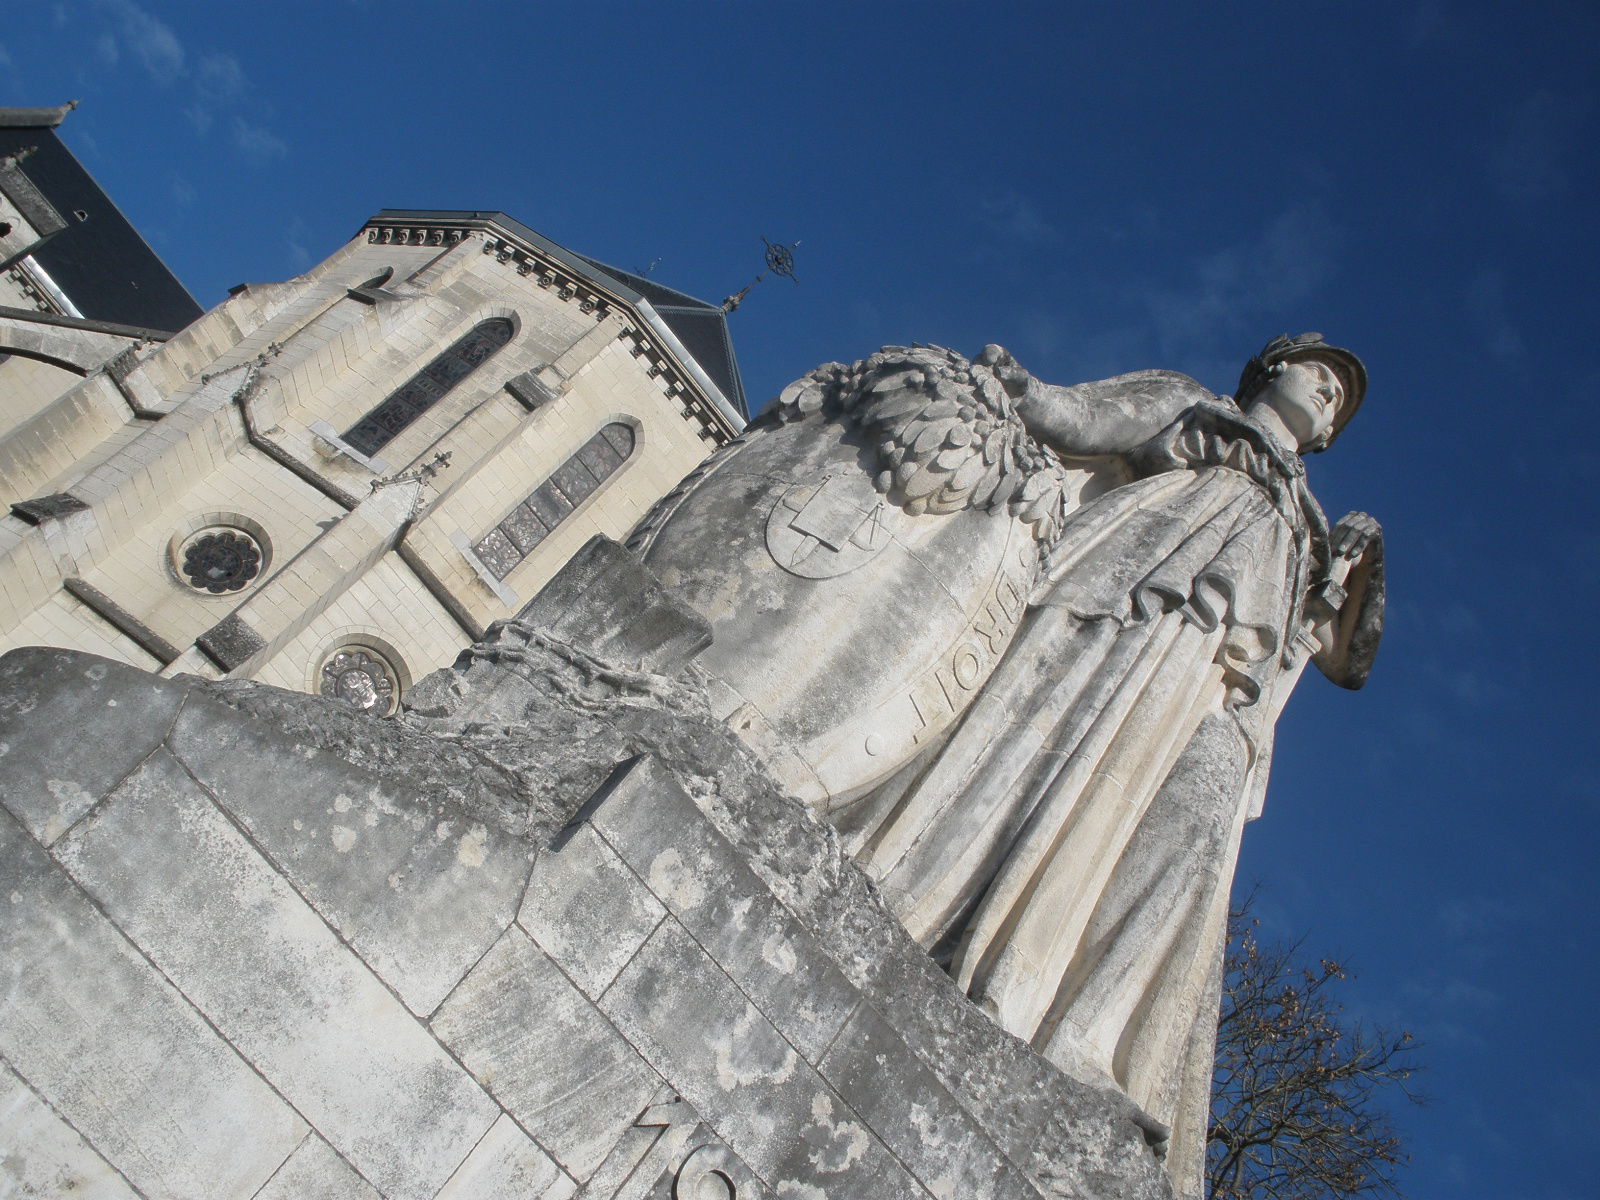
[515, 537]
[424, 389]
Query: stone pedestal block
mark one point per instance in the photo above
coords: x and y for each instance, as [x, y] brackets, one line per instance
[261, 946]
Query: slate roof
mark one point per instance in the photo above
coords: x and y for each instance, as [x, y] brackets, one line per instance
[701, 327]
[99, 260]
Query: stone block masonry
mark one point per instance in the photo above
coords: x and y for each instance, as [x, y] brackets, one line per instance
[568, 943]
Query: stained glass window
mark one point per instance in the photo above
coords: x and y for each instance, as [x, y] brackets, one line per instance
[424, 389]
[516, 537]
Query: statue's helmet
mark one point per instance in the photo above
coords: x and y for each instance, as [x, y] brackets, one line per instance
[1285, 349]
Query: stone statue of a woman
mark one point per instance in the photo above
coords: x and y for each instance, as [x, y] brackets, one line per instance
[1069, 848]
[1024, 646]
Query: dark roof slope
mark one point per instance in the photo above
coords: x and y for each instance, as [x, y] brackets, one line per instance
[99, 260]
[701, 327]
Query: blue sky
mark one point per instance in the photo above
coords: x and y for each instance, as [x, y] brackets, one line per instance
[1101, 187]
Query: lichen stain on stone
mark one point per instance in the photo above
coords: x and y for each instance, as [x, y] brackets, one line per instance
[469, 852]
[793, 1189]
[778, 954]
[739, 1056]
[342, 838]
[845, 1141]
[96, 673]
[671, 880]
[342, 803]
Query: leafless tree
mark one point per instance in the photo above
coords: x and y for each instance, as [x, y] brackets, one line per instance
[1299, 1106]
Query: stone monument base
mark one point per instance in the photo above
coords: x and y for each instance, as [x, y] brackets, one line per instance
[551, 932]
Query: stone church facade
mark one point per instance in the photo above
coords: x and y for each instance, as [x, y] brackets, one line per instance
[337, 483]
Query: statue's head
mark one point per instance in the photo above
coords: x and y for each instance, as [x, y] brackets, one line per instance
[1314, 387]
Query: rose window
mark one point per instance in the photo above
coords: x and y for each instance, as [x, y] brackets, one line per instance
[221, 560]
[362, 678]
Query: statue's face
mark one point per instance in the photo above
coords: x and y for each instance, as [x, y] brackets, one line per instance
[1306, 396]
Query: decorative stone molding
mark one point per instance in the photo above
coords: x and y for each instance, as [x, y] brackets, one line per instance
[230, 642]
[362, 677]
[417, 235]
[53, 507]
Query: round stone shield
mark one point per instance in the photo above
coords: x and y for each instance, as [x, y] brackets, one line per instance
[830, 524]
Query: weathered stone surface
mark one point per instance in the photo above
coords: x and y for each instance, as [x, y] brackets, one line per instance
[49, 699]
[641, 624]
[119, 1053]
[419, 889]
[651, 822]
[260, 964]
[773, 1109]
[316, 1172]
[916, 1115]
[546, 1054]
[41, 1155]
[505, 1165]
[587, 909]
[208, 905]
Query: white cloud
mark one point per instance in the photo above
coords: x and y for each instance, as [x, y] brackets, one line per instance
[5, 59]
[219, 77]
[1229, 292]
[257, 143]
[295, 236]
[1016, 217]
[149, 40]
[219, 92]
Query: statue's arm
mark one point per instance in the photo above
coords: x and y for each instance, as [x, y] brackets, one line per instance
[1348, 635]
[1108, 416]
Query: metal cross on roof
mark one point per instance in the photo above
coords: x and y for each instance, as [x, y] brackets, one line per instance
[779, 260]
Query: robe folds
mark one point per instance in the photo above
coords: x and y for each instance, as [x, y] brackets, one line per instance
[1067, 849]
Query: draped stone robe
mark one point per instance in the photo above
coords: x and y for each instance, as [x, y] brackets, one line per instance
[1069, 847]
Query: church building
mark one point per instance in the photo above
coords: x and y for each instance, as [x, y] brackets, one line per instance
[330, 484]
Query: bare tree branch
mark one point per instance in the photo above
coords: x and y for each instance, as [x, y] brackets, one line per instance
[1298, 1106]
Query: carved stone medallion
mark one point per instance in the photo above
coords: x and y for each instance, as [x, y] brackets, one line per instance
[361, 678]
[828, 525]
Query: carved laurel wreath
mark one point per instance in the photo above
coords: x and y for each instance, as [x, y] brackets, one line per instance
[946, 434]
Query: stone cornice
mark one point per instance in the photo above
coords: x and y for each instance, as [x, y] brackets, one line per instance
[573, 281]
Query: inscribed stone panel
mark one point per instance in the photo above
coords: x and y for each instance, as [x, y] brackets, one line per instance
[715, 1048]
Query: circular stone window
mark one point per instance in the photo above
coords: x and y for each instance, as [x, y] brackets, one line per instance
[219, 560]
[362, 678]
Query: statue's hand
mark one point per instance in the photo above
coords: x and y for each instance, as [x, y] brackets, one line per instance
[1354, 533]
[1013, 376]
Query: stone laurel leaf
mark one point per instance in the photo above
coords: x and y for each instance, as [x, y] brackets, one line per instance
[946, 433]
